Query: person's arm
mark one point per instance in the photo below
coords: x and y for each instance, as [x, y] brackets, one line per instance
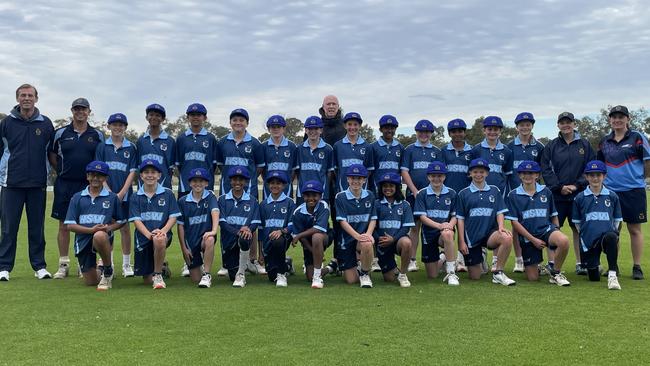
[180, 229]
[127, 184]
[406, 177]
[171, 221]
[139, 225]
[80, 229]
[462, 246]
[501, 225]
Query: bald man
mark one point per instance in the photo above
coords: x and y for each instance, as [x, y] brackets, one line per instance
[331, 114]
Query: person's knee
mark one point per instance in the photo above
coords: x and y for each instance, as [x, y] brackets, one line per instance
[159, 243]
[404, 244]
[208, 243]
[244, 244]
[100, 237]
[365, 247]
[447, 236]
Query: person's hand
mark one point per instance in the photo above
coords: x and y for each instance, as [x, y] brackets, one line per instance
[462, 247]
[506, 232]
[161, 234]
[275, 234]
[245, 233]
[99, 227]
[187, 255]
[446, 226]
[538, 243]
[208, 235]
[120, 195]
[385, 240]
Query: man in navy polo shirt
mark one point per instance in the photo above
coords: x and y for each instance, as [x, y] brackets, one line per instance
[456, 155]
[93, 215]
[386, 151]
[157, 145]
[315, 159]
[279, 153]
[24, 137]
[72, 148]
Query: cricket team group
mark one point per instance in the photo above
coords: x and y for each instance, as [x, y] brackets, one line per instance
[455, 204]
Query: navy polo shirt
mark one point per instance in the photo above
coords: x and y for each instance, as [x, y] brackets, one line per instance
[195, 151]
[74, 151]
[394, 219]
[479, 208]
[533, 212]
[500, 161]
[88, 212]
[282, 158]
[153, 212]
[275, 215]
[246, 153]
[416, 160]
[196, 217]
[355, 211]
[387, 158]
[121, 162]
[302, 220]
[347, 154]
[457, 166]
[521, 152]
[563, 164]
[238, 213]
[624, 160]
[596, 215]
[163, 150]
[315, 165]
[439, 208]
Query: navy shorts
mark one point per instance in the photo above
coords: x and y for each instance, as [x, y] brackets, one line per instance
[347, 257]
[475, 255]
[386, 255]
[64, 189]
[125, 210]
[230, 257]
[197, 257]
[87, 258]
[532, 255]
[411, 200]
[430, 247]
[564, 211]
[143, 260]
[308, 256]
[633, 206]
[591, 257]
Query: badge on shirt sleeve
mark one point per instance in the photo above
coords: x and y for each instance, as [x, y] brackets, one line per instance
[106, 204]
[161, 202]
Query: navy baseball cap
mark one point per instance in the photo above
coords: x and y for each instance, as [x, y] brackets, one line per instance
[524, 116]
[312, 186]
[356, 170]
[97, 167]
[492, 121]
[596, 166]
[352, 116]
[199, 173]
[196, 108]
[150, 163]
[424, 125]
[277, 174]
[156, 108]
[619, 109]
[314, 122]
[456, 124]
[529, 166]
[117, 117]
[566, 115]
[391, 178]
[276, 120]
[437, 167]
[479, 163]
[238, 171]
[388, 120]
[239, 112]
[80, 102]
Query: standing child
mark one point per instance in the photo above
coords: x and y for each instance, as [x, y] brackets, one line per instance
[597, 215]
[315, 159]
[197, 227]
[279, 153]
[157, 145]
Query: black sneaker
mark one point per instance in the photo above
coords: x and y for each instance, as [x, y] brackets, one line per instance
[290, 268]
[333, 267]
[637, 273]
[580, 270]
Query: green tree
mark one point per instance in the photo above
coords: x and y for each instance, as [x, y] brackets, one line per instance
[177, 127]
[294, 130]
[406, 140]
[265, 136]
[367, 133]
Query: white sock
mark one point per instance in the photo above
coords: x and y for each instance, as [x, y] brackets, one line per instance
[65, 260]
[243, 261]
[611, 274]
[494, 259]
[451, 267]
[317, 272]
[126, 259]
[460, 259]
[519, 259]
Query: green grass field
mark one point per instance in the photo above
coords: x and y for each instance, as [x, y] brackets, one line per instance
[64, 322]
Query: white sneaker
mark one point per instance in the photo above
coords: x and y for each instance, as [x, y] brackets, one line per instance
[304, 269]
[612, 283]
[158, 282]
[317, 282]
[62, 272]
[105, 283]
[502, 279]
[365, 281]
[281, 280]
[259, 267]
[4, 276]
[559, 279]
[403, 280]
[206, 281]
[185, 272]
[451, 279]
[80, 274]
[127, 270]
[222, 272]
[413, 266]
[519, 267]
[42, 274]
[240, 280]
[375, 265]
[251, 268]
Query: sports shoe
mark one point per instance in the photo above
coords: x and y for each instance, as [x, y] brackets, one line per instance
[460, 263]
[251, 268]
[413, 266]
[127, 270]
[332, 267]
[206, 281]
[259, 267]
[484, 265]
[451, 279]
[185, 272]
[240, 280]
[365, 281]
[580, 270]
[304, 269]
[317, 282]
[62, 272]
[166, 272]
[403, 280]
[544, 270]
[519, 267]
[80, 274]
[612, 283]
[559, 279]
[375, 265]
[222, 272]
[290, 267]
[42, 274]
[501, 278]
[637, 273]
[4, 276]
[105, 283]
[281, 280]
[158, 282]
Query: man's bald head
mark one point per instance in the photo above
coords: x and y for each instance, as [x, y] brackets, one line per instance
[330, 106]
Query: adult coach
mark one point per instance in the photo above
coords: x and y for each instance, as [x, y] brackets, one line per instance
[72, 149]
[626, 154]
[24, 137]
[332, 116]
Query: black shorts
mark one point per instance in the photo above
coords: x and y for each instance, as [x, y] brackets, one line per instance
[532, 255]
[564, 211]
[591, 257]
[430, 247]
[475, 255]
[633, 206]
[64, 189]
[143, 259]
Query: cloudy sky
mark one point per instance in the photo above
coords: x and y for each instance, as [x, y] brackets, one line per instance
[415, 59]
